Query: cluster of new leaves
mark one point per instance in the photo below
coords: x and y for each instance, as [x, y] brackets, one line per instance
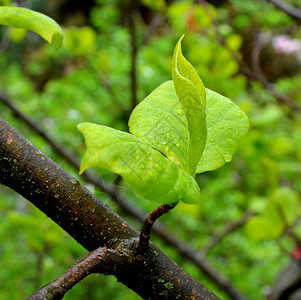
[179, 130]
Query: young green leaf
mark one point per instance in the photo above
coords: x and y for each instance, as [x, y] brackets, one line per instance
[159, 121]
[182, 68]
[20, 17]
[192, 96]
[227, 124]
[172, 118]
[149, 174]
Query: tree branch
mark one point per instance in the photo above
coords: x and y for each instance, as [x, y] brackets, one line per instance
[290, 10]
[216, 238]
[25, 169]
[157, 21]
[101, 260]
[200, 261]
[112, 191]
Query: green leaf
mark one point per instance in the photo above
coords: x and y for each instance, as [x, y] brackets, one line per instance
[260, 228]
[183, 70]
[20, 17]
[286, 202]
[268, 225]
[172, 118]
[191, 94]
[227, 124]
[159, 121]
[271, 213]
[79, 40]
[282, 208]
[149, 174]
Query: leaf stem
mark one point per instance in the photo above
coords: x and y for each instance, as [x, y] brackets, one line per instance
[149, 222]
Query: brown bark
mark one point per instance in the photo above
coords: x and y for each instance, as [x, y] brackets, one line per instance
[112, 191]
[101, 260]
[25, 169]
[148, 223]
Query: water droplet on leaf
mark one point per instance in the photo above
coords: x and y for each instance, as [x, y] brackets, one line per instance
[227, 157]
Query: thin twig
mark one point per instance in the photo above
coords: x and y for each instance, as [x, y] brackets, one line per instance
[149, 222]
[69, 157]
[101, 260]
[258, 44]
[4, 44]
[216, 238]
[287, 227]
[245, 70]
[134, 53]
[290, 10]
[157, 21]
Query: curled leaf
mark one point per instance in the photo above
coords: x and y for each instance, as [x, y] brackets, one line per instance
[149, 174]
[20, 17]
[192, 96]
[172, 118]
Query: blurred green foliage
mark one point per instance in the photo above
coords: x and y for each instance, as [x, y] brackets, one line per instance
[89, 79]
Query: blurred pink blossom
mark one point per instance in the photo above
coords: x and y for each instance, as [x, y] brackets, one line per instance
[284, 44]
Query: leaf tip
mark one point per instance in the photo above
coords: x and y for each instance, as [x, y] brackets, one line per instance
[81, 170]
[57, 40]
[177, 51]
[80, 127]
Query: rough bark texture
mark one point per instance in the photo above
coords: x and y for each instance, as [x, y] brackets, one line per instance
[101, 260]
[25, 169]
[148, 223]
[196, 257]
